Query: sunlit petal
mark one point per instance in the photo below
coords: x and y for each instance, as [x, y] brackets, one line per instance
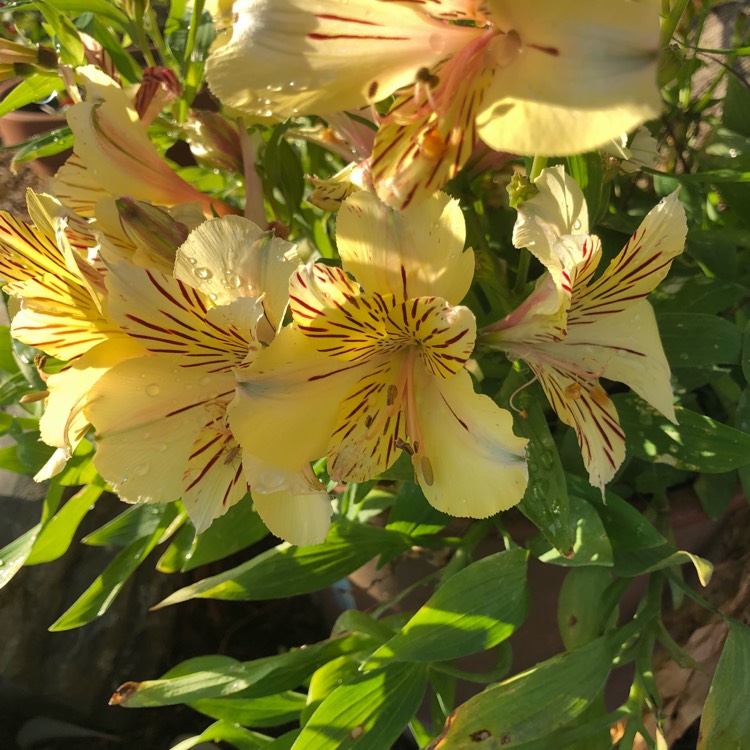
[414, 253]
[468, 461]
[586, 72]
[319, 56]
[285, 407]
[230, 257]
[292, 504]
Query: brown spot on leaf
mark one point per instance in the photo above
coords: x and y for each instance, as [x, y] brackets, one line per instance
[480, 735]
[124, 693]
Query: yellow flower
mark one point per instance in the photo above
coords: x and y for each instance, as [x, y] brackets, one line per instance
[160, 419]
[374, 368]
[574, 329]
[62, 313]
[552, 77]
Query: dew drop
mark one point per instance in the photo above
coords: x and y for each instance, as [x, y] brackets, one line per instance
[577, 224]
[161, 447]
[152, 389]
[142, 469]
[202, 273]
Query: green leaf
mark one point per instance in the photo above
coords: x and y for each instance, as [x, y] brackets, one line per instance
[693, 339]
[13, 555]
[715, 491]
[137, 522]
[57, 534]
[588, 172]
[224, 731]
[636, 545]
[105, 9]
[68, 43]
[736, 107]
[591, 545]
[33, 89]
[411, 514]
[266, 711]
[237, 529]
[368, 714]
[545, 503]
[220, 676]
[288, 571]
[533, 704]
[694, 294]
[475, 609]
[696, 443]
[46, 144]
[746, 352]
[98, 597]
[725, 724]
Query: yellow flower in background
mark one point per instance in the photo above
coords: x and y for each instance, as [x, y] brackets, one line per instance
[376, 367]
[574, 329]
[160, 419]
[63, 313]
[113, 156]
[552, 77]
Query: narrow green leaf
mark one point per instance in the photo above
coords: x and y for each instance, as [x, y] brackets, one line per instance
[368, 714]
[225, 731]
[237, 529]
[13, 555]
[475, 609]
[98, 597]
[746, 352]
[637, 546]
[266, 676]
[103, 8]
[266, 711]
[533, 704]
[136, 522]
[46, 144]
[696, 443]
[578, 621]
[33, 89]
[288, 571]
[725, 724]
[57, 534]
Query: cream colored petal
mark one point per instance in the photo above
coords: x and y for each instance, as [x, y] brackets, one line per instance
[638, 268]
[319, 56]
[213, 480]
[292, 504]
[285, 408]
[626, 347]
[169, 317]
[415, 253]
[233, 257]
[580, 402]
[468, 461]
[64, 423]
[54, 465]
[586, 72]
[148, 413]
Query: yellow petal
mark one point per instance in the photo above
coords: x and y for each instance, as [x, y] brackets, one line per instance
[625, 347]
[415, 253]
[318, 56]
[468, 461]
[169, 317]
[585, 73]
[638, 268]
[292, 504]
[285, 408]
[231, 257]
[150, 416]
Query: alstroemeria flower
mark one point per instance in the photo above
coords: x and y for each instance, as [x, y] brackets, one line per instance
[375, 367]
[113, 156]
[160, 420]
[574, 329]
[551, 77]
[62, 313]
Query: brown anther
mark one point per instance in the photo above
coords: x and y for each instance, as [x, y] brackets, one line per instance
[599, 395]
[404, 446]
[573, 391]
[390, 397]
[30, 398]
[372, 89]
[424, 76]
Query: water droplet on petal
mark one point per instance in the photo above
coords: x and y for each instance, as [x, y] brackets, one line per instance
[577, 224]
[142, 469]
[152, 389]
[202, 273]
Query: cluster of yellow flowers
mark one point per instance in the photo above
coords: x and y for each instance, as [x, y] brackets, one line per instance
[212, 362]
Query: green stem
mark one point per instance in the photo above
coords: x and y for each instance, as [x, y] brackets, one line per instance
[192, 34]
[539, 163]
[524, 262]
